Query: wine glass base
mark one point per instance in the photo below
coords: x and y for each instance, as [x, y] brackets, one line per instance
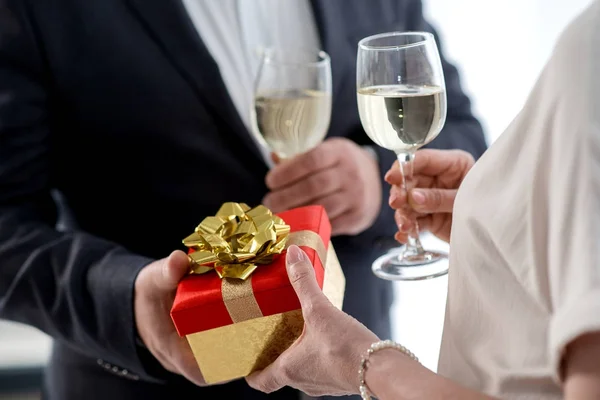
[429, 265]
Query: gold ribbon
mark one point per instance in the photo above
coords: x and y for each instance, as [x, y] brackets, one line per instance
[236, 240]
[239, 300]
[309, 239]
[238, 296]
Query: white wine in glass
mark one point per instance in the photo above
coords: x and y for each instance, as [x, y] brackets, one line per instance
[401, 98]
[292, 102]
[402, 118]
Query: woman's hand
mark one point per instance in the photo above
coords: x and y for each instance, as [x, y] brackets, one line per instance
[437, 176]
[325, 359]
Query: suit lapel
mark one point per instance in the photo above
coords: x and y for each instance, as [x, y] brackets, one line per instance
[168, 23]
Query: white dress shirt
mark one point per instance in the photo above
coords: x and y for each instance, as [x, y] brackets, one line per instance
[235, 31]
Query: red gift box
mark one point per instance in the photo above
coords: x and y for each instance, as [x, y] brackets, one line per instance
[260, 315]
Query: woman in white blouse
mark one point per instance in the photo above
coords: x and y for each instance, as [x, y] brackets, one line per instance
[523, 309]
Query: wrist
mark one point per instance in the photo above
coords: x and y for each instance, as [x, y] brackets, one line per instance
[383, 361]
[382, 364]
[352, 363]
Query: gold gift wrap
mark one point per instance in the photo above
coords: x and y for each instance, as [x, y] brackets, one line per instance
[239, 325]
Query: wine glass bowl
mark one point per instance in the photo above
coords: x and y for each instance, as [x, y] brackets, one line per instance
[292, 102]
[401, 99]
[401, 96]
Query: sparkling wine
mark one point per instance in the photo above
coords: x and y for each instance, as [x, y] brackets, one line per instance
[292, 122]
[402, 118]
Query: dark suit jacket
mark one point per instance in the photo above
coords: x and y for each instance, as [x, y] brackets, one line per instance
[115, 111]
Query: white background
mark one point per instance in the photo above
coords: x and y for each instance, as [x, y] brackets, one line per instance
[500, 47]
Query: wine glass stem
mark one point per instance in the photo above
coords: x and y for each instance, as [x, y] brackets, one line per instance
[413, 245]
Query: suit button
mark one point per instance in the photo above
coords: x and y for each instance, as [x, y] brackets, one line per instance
[116, 370]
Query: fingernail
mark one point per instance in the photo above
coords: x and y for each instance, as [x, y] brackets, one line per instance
[295, 255]
[393, 198]
[387, 177]
[275, 158]
[418, 197]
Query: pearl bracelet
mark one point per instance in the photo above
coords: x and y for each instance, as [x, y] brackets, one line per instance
[384, 344]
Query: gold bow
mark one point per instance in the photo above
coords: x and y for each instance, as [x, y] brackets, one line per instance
[236, 240]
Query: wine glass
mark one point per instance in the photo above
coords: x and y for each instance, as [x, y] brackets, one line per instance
[292, 100]
[402, 103]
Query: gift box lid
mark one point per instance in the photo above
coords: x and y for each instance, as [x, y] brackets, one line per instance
[199, 303]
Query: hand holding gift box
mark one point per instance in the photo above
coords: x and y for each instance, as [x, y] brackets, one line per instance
[237, 308]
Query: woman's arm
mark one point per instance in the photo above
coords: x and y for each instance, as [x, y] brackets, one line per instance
[326, 359]
[392, 375]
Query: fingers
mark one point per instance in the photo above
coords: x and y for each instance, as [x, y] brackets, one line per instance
[398, 193]
[432, 200]
[290, 171]
[402, 221]
[170, 353]
[424, 201]
[171, 271]
[397, 198]
[402, 237]
[302, 276]
[346, 224]
[431, 162]
[185, 362]
[268, 380]
[275, 158]
[305, 191]
[426, 162]
[336, 205]
[406, 225]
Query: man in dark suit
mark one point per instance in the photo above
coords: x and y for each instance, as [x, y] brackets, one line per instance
[118, 121]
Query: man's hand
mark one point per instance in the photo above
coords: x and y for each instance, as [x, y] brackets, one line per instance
[154, 294]
[339, 175]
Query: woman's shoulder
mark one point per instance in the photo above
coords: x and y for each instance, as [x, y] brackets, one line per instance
[576, 55]
[567, 96]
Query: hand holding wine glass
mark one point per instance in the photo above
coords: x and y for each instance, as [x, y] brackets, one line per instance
[437, 175]
[292, 102]
[292, 111]
[402, 104]
[339, 175]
